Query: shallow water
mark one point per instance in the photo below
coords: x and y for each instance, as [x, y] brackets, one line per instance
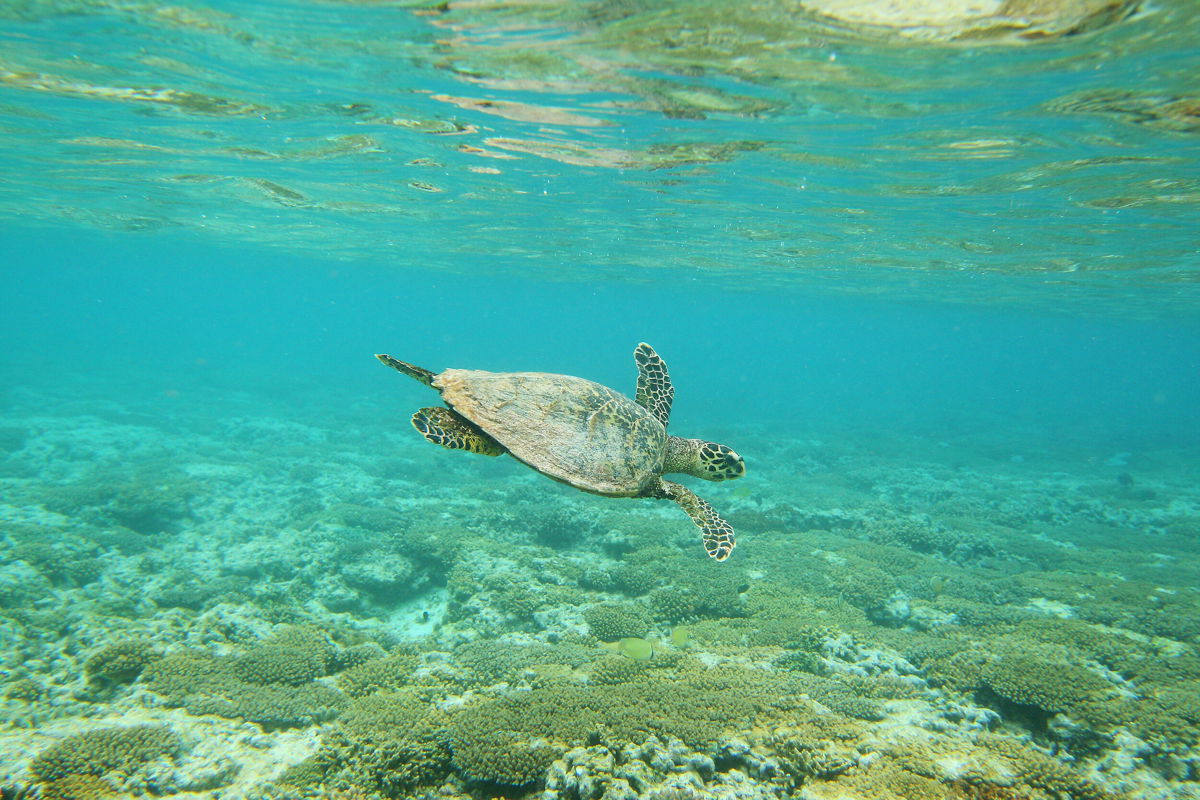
[940, 295]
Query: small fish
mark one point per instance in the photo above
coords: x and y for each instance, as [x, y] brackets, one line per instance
[679, 637]
[636, 649]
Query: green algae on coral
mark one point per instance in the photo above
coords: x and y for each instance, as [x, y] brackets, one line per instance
[26, 689]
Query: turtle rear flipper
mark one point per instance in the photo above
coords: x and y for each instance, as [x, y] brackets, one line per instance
[718, 534]
[654, 390]
[442, 426]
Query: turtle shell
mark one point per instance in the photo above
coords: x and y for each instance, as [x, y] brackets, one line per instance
[573, 430]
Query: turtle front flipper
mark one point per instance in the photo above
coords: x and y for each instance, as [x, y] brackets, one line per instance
[654, 390]
[717, 533]
[443, 426]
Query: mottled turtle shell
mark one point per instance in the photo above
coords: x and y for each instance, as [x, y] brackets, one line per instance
[573, 430]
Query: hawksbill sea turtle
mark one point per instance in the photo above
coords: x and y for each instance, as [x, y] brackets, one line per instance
[581, 433]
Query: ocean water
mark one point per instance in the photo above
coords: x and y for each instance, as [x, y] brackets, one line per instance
[934, 278]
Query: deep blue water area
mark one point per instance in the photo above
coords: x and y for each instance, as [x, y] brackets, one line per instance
[132, 319]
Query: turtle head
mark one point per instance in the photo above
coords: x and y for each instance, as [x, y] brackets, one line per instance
[708, 460]
[718, 462]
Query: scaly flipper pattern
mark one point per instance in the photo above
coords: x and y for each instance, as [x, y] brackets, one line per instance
[442, 426]
[717, 533]
[654, 390]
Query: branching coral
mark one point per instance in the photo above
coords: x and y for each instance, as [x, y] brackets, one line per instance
[690, 702]
[390, 742]
[491, 662]
[805, 758]
[208, 684]
[120, 662]
[293, 655]
[1058, 780]
[635, 579]
[356, 654]
[1050, 686]
[276, 664]
[67, 561]
[1039, 679]
[614, 621]
[76, 787]
[391, 672]
[496, 757]
[615, 669]
[100, 751]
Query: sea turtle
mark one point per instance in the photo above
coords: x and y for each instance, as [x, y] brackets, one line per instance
[580, 433]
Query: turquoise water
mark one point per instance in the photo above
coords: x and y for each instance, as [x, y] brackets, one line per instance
[937, 289]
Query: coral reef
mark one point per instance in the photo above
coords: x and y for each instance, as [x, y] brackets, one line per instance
[292, 656]
[390, 742]
[1042, 681]
[610, 622]
[147, 500]
[489, 662]
[494, 757]
[120, 662]
[967, 637]
[387, 672]
[68, 765]
[273, 689]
